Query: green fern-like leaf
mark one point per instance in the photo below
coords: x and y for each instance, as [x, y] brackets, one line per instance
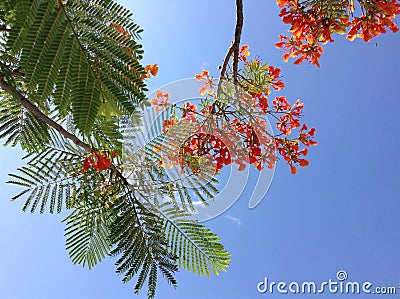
[17, 126]
[197, 248]
[138, 239]
[79, 54]
[47, 179]
[87, 234]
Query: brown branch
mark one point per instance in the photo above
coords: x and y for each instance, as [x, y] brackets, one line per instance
[225, 64]
[17, 74]
[238, 34]
[234, 49]
[4, 29]
[43, 117]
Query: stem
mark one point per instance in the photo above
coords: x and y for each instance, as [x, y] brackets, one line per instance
[234, 49]
[238, 33]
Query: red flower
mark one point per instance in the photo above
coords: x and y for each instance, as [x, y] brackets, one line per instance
[87, 164]
[262, 102]
[306, 138]
[189, 112]
[168, 123]
[280, 103]
[274, 75]
[99, 161]
[102, 161]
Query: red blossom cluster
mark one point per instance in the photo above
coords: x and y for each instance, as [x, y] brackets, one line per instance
[218, 144]
[234, 130]
[98, 160]
[379, 16]
[291, 114]
[290, 150]
[314, 22]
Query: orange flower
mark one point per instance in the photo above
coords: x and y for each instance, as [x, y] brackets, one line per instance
[282, 3]
[207, 84]
[152, 69]
[161, 102]
[157, 148]
[244, 52]
[204, 75]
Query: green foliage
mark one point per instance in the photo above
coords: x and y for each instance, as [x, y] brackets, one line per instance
[141, 244]
[111, 218]
[75, 55]
[17, 126]
[87, 233]
[88, 226]
[48, 179]
[196, 247]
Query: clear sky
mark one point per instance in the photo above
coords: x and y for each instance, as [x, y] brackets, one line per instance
[340, 213]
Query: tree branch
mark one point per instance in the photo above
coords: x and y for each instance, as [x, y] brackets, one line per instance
[4, 29]
[43, 117]
[234, 49]
[238, 34]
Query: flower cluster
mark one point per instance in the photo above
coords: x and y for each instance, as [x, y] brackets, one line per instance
[313, 23]
[231, 128]
[216, 143]
[98, 160]
[290, 150]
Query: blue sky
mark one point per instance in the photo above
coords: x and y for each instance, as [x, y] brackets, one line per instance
[341, 212]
